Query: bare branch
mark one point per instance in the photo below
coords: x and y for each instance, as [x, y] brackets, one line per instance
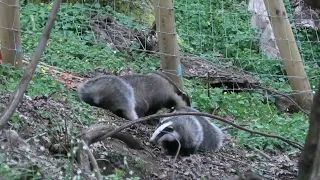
[92, 160]
[290, 142]
[91, 134]
[284, 95]
[27, 76]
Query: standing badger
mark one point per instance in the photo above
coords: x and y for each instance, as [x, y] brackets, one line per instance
[133, 96]
[193, 132]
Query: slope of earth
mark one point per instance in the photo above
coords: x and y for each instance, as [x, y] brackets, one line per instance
[45, 123]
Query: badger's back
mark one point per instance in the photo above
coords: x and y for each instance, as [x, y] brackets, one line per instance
[212, 134]
[152, 93]
[108, 92]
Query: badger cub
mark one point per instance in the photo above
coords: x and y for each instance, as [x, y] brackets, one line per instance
[193, 132]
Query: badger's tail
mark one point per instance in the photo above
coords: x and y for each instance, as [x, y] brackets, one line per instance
[219, 136]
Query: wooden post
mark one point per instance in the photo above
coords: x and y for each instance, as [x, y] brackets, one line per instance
[289, 53]
[11, 47]
[168, 44]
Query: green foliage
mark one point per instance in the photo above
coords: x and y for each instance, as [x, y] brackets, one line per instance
[224, 26]
[211, 25]
[119, 175]
[5, 171]
[144, 63]
[14, 173]
[67, 47]
[40, 83]
[261, 115]
[253, 109]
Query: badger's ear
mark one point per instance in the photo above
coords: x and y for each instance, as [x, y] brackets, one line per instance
[186, 98]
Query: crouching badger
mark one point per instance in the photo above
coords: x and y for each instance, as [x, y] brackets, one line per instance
[133, 96]
[193, 132]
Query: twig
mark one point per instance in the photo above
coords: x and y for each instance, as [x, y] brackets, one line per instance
[261, 153]
[92, 160]
[229, 127]
[290, 142]
[65, 130]
[284, 95]
[34, 137]
[268, 102]
[27, 76]
[176, 156]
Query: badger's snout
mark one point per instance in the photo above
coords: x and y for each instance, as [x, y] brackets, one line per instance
[153, 139]
[153, 142]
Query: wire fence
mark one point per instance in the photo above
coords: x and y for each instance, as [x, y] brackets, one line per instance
[228, 43]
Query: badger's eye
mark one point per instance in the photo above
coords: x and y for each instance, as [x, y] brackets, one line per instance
[168, 129]
[171, 109]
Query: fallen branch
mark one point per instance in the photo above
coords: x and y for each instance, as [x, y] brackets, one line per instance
[290, 142]
[94, 132]
[27, 76]
[92, 160]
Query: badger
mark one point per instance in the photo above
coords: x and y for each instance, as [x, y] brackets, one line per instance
[109, 92]
[195, 133]
[133, 96]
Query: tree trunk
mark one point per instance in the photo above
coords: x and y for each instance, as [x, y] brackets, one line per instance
[309, 162]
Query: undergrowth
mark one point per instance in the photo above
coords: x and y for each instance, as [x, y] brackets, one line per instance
[204, 29]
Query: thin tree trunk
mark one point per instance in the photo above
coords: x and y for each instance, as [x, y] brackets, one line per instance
[309, 162]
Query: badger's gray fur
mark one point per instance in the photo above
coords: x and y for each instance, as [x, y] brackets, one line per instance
[133, 96]
[193, 132]
[110, 92]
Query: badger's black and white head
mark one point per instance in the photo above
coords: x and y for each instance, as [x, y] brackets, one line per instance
[192, 132]
[165, 131]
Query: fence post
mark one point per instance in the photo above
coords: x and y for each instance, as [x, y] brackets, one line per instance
[11, 47]
[168, 44]
[289, 53]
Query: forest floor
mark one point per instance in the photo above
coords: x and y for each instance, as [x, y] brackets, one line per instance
[46, 123]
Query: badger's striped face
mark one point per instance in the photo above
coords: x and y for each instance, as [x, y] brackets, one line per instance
[164, 132]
